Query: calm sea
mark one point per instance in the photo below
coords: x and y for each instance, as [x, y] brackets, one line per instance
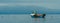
[26, 18]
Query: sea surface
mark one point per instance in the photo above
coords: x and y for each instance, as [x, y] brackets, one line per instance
[26, 18]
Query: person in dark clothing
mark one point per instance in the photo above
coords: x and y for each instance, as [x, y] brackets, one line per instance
[44, 15]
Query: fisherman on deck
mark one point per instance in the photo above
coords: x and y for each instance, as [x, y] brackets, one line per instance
[44, 15]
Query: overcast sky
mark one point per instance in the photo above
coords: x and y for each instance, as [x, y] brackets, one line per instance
[25, 6]
[51, 4]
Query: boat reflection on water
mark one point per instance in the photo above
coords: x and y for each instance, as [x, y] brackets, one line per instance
[39, 20]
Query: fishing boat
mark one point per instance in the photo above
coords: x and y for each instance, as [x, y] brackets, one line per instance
[34, 14]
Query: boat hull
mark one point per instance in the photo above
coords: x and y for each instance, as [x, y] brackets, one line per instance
[39, 16]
